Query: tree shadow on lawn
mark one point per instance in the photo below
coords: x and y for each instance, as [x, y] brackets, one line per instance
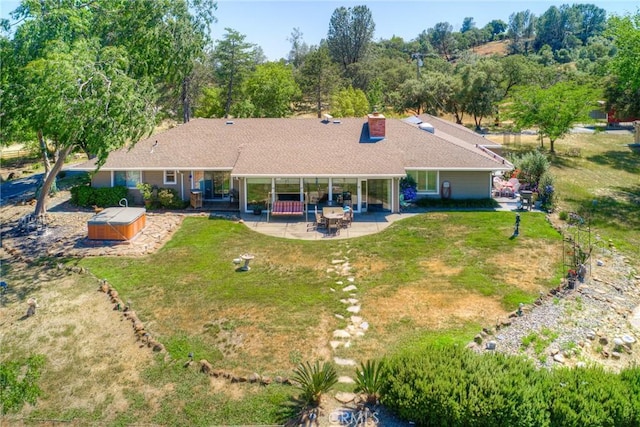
[627, 161]
[563, 162]
[622, 210]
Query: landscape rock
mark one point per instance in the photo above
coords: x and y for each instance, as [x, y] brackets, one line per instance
[345, 397]
[206, 367]
[559, 358]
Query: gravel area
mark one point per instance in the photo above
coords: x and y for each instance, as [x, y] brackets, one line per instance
[597, 322]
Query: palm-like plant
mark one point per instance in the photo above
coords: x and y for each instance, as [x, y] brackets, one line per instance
[369, 380]
[314, 380]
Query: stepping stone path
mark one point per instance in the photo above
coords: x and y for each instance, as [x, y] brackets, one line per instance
[356, 326]
[344, 362]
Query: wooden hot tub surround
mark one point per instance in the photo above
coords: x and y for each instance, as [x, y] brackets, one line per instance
[119, 223]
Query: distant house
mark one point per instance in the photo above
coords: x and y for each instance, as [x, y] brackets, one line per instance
[319, 162]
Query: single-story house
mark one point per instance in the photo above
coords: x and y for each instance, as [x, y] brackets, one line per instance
[358, 161]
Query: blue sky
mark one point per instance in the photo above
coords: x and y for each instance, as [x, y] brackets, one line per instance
[269, 23]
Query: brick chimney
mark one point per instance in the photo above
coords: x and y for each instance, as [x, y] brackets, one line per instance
[376, 125]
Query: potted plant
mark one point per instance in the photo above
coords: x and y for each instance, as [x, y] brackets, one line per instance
[146, 190]
[256, 207]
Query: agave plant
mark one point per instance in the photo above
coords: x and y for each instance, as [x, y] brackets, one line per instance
[369, 380]
[314, 380]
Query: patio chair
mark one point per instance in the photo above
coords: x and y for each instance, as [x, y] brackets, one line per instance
[320, 222]
[498, 186]
[514, 183]
[347, 217]
[333, 227]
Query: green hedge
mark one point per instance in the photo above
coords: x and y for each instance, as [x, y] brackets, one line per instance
[457, 387]
[439, 203]
[87, 196]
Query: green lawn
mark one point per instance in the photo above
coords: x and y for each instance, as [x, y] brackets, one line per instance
[281, 312]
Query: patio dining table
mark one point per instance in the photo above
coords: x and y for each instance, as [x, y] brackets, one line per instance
[334, 221]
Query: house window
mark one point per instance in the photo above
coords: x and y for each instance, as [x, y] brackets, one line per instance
[427, 181]
[170, 177]
[127, 179]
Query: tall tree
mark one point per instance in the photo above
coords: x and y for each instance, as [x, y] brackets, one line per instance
[82, 97]
[496, 28]
[592, 21]
[625, 66]
[85, 72]
[164, 39]
[553, 110]
[467, 24]
[441, 37]
[349, 102]
[188, 35]
[521, 31]
[272, 89]
[233, 59]
[350, 33]
[318, 77]
[481, 88]
[299, 49]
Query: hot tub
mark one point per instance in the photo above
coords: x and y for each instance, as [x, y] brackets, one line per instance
[118, 223]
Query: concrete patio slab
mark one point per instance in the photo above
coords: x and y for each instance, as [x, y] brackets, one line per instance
[297, 227]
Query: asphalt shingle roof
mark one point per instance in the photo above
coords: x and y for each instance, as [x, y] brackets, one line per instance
[299, 147]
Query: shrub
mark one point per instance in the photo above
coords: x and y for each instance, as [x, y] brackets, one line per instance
[590, 397]
[314, 380]
[430, 202]
[168, 198]
[82, 195]
[369, 380]
[86, 196]
[408, 187]
[532, 166]
[146, 190]
[110, 196]
[631, 378]
[546, 190]
[453, 386]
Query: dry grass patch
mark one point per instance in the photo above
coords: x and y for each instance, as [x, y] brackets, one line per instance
[438, 267]
[522, 267]
[430, 309]
[366, 265]
[270, 347]
[91, 356]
